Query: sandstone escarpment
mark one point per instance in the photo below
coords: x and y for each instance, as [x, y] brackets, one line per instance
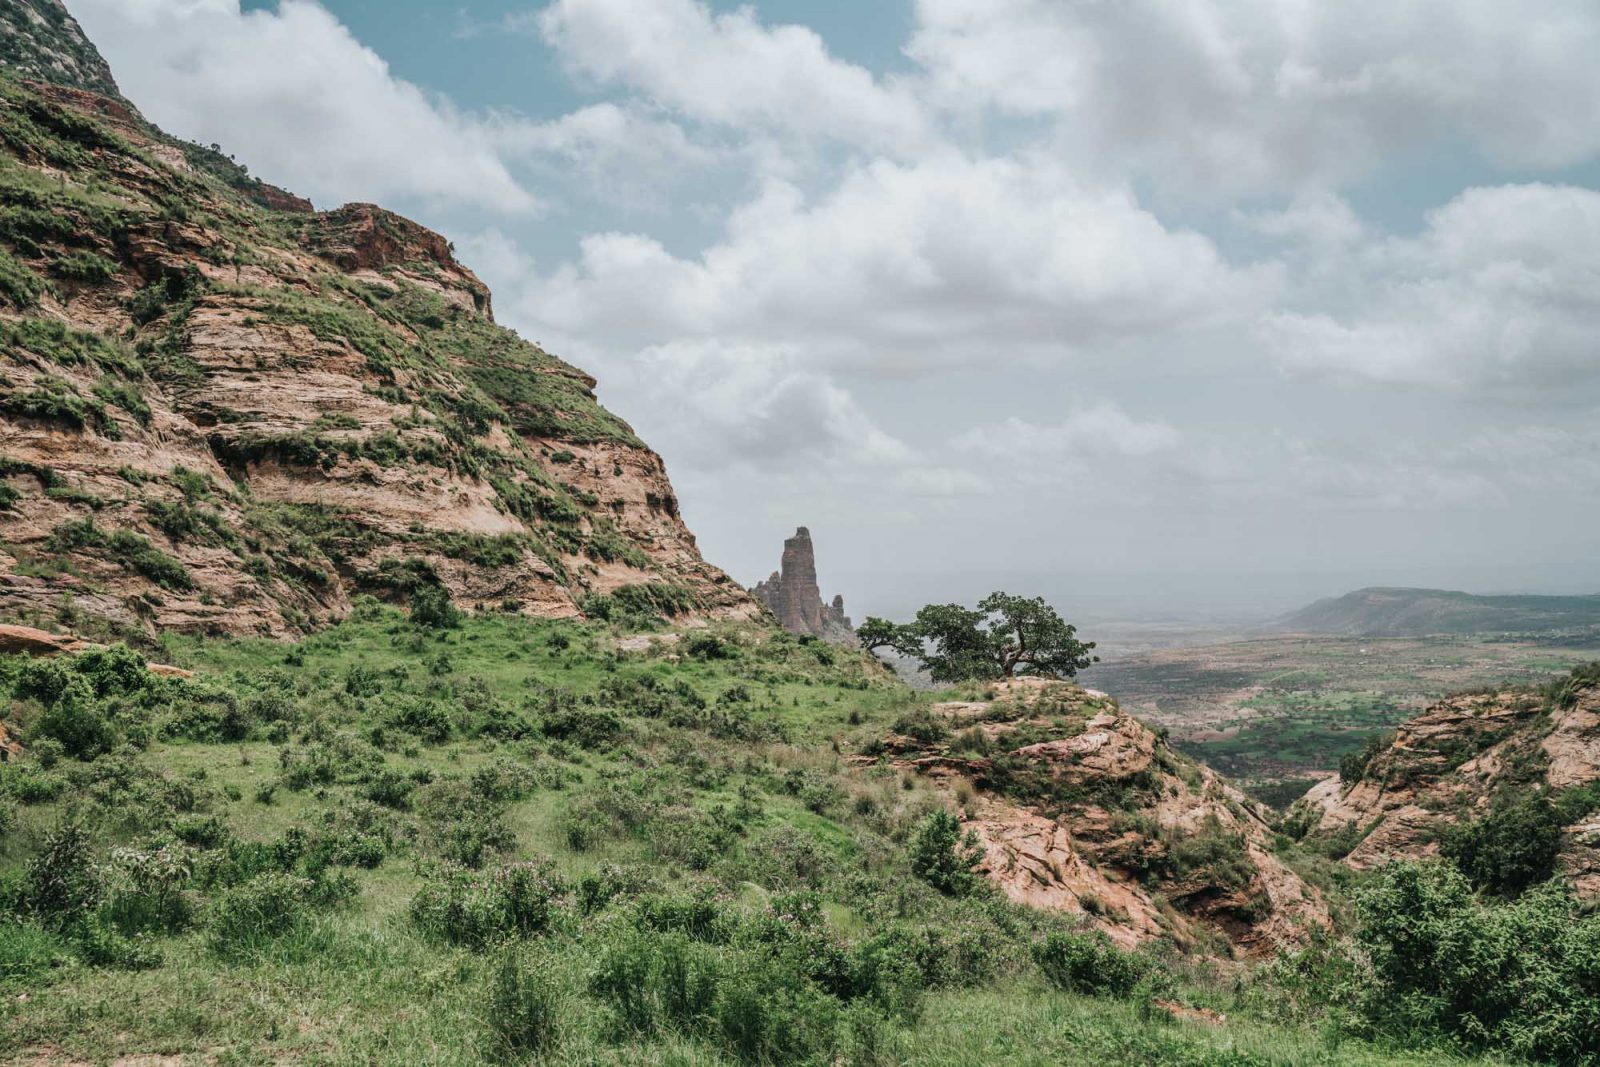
[40, 39]
[792, 594]
[1083, 809]
[223, 411]
[1452, 763]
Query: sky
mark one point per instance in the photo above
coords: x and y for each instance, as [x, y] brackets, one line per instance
[1158, 308]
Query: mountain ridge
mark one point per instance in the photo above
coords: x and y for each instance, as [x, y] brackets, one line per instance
[1402, 611]
[222, 411]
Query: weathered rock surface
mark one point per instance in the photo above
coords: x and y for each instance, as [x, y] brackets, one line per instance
[1447, 765]
[1083, 809]
[40, 39]
[222, 411]
[792, 594]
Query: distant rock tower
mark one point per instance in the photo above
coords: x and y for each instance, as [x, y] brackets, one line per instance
[794, 597]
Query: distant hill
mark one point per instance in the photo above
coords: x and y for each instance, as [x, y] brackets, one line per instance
[1399, 612]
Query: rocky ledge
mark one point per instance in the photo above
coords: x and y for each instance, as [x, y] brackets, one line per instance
[1083, 809]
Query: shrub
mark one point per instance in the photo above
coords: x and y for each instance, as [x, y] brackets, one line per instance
[61, 885]
[431, 608]
[27, 952]
[390, 788]
[524, 1009]
[1353, 764]
[249, 916]
[76, 720]
[922, 726]
[1516, 977]
[1089, 963]
[708, 647]
[1214, 852]
[942, 856]
[84, 267]
[592, 728]
[760, 1008]
[145, 889]
[427, 720]
[1509, 849]
[478, 909]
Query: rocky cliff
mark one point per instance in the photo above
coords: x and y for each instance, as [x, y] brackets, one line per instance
[1083, 809]
[1460, 759]
[223, 411]
[792, 594]
[40, 39]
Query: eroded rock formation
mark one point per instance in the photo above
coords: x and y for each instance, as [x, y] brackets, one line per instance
[792, 594]
[1083, 809]
[1448, 764]
[222, 411]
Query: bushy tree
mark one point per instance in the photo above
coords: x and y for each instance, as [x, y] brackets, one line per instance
[1511, 848]
[431, 608]
[876, 633]
[1005, 636]
[943, 856]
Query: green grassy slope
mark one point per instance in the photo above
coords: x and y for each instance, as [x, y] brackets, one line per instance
[321, 853]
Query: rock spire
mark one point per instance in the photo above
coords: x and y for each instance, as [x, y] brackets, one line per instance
[794, 597]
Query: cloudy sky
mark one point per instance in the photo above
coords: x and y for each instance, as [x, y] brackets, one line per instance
[1146, 305]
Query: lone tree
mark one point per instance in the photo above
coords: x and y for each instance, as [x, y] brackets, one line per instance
[1005, 636]
[876, 633]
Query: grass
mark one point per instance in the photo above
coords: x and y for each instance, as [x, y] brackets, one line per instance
[359, 981]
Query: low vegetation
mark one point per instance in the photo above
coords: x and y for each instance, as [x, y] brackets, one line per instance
[485, 839]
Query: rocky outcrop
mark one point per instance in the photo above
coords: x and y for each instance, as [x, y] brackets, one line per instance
[1083, 809]
[792, 594]
[40, 39]
[222, 411]
[1449, 764]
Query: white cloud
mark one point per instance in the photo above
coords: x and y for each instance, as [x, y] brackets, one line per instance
[618, 155]
[726, 405]
[1241, 95]
[292, 92]
[952, 261]
[1317, 220]
[1088, 433]
[1500, 293]
[730, 69]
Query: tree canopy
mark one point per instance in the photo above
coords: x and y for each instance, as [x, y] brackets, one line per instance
[1004, 636]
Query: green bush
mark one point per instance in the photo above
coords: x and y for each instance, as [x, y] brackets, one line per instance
[524, 1009]
[19, 286]
[942, 856]
[1090, 963]
[1520, 977]
[84, 267]
[248, 917]
[478, 909]
[146, 889]
[1510, 848]
[27, 953]
[760, 1006]
[76, 720]
[62, 884]
[1353, 764]
[431, 608]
